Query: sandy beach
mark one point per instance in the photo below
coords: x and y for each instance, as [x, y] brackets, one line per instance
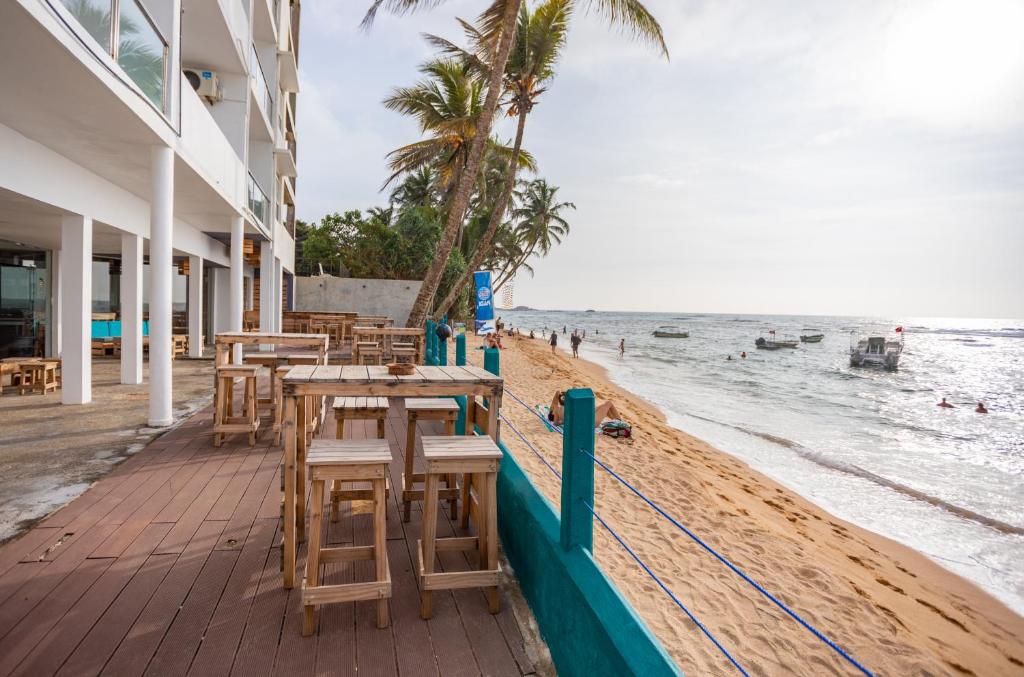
[893, 609]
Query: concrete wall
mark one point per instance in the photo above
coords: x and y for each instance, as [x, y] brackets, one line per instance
[393, 298]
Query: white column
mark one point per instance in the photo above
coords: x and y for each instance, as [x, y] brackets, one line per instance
[161, 220]
[131, 309]
[267, 286]
[76, 308]
[237, 237]
[54, 326]
[278, 296]
[195, 306]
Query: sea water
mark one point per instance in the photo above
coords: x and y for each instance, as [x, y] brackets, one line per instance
[868, 445]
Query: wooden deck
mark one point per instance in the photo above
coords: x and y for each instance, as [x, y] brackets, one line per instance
[170, 565]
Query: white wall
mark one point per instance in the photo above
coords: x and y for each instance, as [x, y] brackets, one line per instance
[393, 298]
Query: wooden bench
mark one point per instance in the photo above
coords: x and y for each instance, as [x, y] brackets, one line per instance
[347, 461]
[479, 457]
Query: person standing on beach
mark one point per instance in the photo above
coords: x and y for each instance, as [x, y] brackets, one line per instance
[563, 328]
[622, 347]
[553, 341]
[575, 341]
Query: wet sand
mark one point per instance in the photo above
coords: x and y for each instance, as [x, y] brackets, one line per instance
[890, 607]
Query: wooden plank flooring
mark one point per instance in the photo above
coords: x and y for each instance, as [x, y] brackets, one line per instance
[170, 566]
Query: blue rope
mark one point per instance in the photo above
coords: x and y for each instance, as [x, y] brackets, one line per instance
[532, 448]
[667, 591]
[732, 566]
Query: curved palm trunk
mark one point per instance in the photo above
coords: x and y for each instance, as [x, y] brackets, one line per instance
[512, 271]
[457, 211]
[483, 247]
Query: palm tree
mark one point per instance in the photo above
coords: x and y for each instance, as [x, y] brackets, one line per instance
[498, 22]
[539, 40]
[540, 224]
[447, 105]
[418, 188]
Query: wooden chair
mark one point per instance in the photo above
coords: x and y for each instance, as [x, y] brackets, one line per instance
[358, 409]
[426, 409]
[347, 461]
[479, 457]
[224, 422]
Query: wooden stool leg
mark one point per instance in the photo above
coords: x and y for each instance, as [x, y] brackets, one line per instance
[300, 469]
[313, 555]
[410, 450]
[380, 428]
[428, 540]
[251, 411]
[491, 518]
[467, 481]
[230, 408]
[335, 501]
[380, 548]
[339, 429]
[453, 504]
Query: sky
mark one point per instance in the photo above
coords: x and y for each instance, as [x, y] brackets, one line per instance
[793, 156]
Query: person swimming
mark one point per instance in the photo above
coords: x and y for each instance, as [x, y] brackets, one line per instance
[729, 358]
[743, 354]
[944, 404]
[980, 409]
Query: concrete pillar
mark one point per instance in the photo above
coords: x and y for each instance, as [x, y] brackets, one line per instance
[53, 328]
[266, 286]
[237, 271]
[76, 308]
[161, 221]
[131, 309]
[195, 306]
[278, 286]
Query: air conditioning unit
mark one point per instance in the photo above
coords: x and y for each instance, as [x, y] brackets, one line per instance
[204, 82]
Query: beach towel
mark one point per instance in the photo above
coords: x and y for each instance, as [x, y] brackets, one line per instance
[545, 412]
[616, 428]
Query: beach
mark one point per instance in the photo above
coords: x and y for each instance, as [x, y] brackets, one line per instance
[893, 609]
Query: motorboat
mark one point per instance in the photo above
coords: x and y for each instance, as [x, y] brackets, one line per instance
[811, 338]
[668, 331]
[774, 343]
[878, 351]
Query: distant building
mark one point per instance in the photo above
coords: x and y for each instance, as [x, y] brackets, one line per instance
[147, 169]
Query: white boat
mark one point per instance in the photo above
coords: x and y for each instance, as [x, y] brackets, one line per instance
[774, 343]
[811, 338]
[667, 331]
[878, 351]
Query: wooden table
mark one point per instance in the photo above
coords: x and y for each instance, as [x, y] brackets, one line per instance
[352, 380]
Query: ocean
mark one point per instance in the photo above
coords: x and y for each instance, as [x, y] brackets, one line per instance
[868, 445]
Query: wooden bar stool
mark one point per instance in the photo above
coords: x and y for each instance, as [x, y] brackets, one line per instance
[268, 360]
[368, 350]
[403, 352]
[477, 456]
[360, 409]
[37, 376]
[224, 422]
[347, 461]
[427, 409]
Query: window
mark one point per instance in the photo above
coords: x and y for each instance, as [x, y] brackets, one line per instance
[132, 40]
[258, 202]
[265, 99]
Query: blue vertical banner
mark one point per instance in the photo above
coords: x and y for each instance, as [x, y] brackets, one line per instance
[484, 302]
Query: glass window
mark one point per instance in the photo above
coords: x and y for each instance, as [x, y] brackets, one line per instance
[141, 52]
[95, 17]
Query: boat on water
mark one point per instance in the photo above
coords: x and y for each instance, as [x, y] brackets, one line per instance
[878, 351]
[668, 331]
[774, 343]
[811, 338]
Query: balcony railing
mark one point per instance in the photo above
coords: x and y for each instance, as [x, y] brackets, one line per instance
[264, 97]
[126, 32]
[259, 203]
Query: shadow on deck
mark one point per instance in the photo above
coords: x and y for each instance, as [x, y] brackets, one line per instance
[171, 565]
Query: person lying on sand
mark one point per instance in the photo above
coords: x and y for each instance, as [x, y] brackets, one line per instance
[602, 412]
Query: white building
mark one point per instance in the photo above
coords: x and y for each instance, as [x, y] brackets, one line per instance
[131, 184]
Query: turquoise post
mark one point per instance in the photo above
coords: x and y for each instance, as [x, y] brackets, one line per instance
[442, 353]
[430, 342]
[460, 350]
[578, 470]
[492, 361]
[460, 361]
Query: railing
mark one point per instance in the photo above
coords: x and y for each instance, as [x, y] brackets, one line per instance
[577, 479]
[264, 98]
[259, 204]
[133, 41]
